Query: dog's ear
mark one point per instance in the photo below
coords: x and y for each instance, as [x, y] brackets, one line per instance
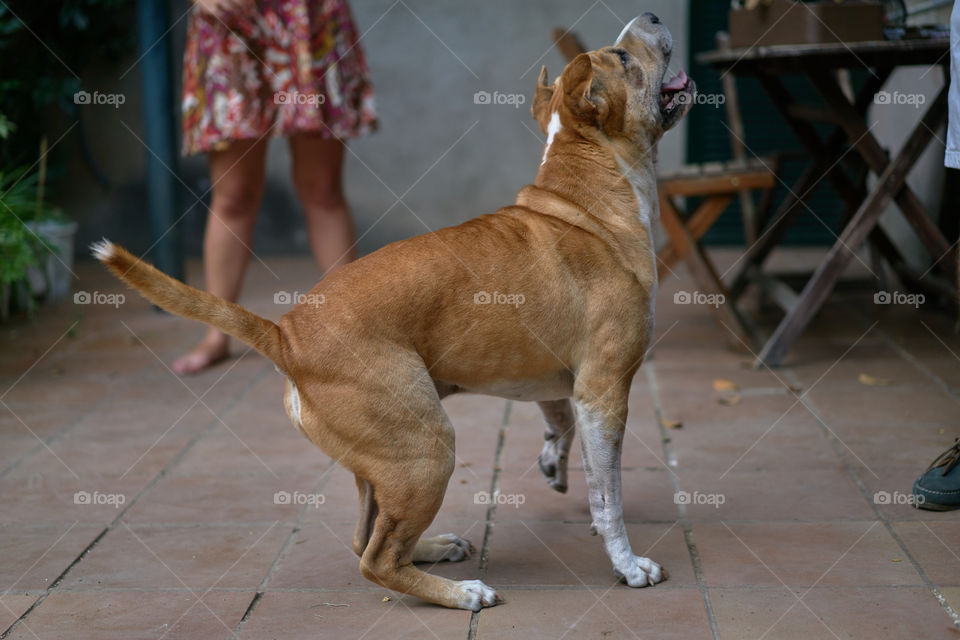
[540, 109]
[581, 96]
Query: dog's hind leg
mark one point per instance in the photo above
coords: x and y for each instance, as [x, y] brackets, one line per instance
[368, 514]
[409, 493]
[446, 546]
[561, 428]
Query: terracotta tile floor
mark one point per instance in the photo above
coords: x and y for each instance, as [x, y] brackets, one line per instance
[134, 504]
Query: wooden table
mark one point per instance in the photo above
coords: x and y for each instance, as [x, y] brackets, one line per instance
[818, 64]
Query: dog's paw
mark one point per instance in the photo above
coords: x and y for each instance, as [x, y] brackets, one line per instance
[553, 465]
[641, 572]
[474, 595]
[447, 546]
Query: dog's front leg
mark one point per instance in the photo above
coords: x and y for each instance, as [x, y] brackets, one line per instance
[601, 425]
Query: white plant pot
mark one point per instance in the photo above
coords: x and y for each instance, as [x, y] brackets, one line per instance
[52, 278]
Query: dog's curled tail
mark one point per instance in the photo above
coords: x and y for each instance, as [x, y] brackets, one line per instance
[183, 300]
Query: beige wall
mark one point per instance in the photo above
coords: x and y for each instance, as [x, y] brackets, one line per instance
[425, 98]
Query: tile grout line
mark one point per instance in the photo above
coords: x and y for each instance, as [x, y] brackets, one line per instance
[45, 444]
[650, 370]
[254, 523]
[472, 630]
[271, 570]
[865, 492]
[505, 589]
[910, 358]
[113, 523]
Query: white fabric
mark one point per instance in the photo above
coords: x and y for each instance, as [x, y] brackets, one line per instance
[952, 156]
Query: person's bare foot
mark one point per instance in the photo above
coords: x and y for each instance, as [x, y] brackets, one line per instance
[212, 349]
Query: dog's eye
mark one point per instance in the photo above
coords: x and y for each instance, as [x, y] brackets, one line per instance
[623, 55]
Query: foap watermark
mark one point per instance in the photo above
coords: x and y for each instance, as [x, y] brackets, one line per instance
[97, 498]
[915, 100]
[685, 497]
[295, 297]
[497, 498]
[299, 498]
[710, 99]
[97, 297]
[898, 297]
[96, 98]
[514, 100]
[512, 299]
[698, 297]
[897, 497]
[295, 97]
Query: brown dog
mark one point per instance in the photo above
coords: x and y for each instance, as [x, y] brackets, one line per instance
[546, 300]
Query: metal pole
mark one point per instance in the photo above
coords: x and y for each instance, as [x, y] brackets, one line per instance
[153, 20]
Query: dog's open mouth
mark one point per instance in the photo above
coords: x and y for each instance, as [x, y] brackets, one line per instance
[675, 93]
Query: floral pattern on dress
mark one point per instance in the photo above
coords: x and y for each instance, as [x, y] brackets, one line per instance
[284, 67]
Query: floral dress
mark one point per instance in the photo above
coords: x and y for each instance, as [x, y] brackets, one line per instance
[283, 67]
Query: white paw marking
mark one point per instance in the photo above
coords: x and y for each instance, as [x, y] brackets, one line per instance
[456, 548]
[554, 466]
[475, 595]
[640, 572]
[448, 546]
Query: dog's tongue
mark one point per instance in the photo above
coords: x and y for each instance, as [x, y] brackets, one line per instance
[677, 82]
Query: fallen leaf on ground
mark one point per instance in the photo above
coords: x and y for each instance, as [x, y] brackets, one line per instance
[725, 385]
[729, 401]
[386, 599]
[870, 381]
[672, 424]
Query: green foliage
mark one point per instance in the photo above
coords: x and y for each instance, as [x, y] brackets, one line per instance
[19, 248]
[46, 46]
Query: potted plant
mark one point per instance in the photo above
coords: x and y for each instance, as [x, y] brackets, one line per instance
[55, 233]
[17, 255]
[36, 242]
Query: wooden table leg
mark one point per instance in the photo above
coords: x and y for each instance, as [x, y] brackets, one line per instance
[876, 158]
[704, 275]
[890, 182]
[770, 237]
[697, 224]
[824, 165]
[852, 193]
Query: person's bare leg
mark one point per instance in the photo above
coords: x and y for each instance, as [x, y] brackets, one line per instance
[318, 176]
[237, 175]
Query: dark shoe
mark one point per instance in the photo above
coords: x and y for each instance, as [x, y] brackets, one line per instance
[938, 489]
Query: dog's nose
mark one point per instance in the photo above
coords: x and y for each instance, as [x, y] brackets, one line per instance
[652, 18]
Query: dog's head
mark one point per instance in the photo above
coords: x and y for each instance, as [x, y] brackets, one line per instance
[619, 94]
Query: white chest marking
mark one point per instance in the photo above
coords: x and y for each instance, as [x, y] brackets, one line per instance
[552, 129]
[644, 188]
[648, 212]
